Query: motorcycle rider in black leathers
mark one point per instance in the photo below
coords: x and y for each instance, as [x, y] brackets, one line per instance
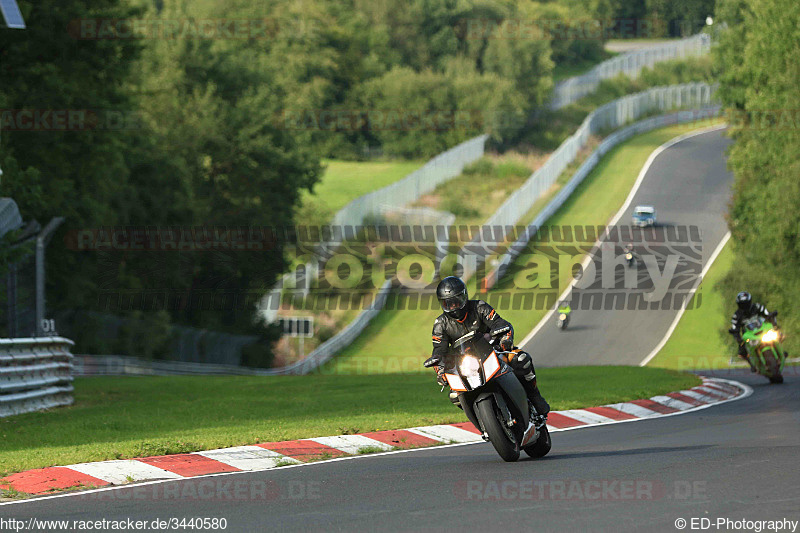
[462, 315]
[747, 309]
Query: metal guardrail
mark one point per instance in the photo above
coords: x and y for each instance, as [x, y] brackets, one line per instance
[35, 373]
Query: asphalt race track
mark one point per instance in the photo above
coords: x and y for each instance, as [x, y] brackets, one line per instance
[689, 185]
[735, 460]
[732, 461]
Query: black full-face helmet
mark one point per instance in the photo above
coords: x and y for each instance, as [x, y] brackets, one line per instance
[744, 300]
[452, 295]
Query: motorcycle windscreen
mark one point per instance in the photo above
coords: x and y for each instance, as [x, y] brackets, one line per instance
[472, 344]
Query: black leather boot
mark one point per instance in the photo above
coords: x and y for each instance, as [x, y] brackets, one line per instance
[536, 398]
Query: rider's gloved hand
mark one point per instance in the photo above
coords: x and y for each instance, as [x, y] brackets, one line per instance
[771, 318]
[440, 379]
[506, 344]
[742, 350]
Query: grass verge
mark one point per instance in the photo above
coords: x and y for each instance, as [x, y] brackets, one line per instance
[482, 187]
[399, 339]
[697, 341]
[117, 418]
[345, 181]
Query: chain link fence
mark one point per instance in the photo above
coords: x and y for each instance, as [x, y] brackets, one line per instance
[440, 169]
[629, 64]
[18, 301]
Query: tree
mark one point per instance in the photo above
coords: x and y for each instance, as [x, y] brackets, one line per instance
[79, 173]
[765, 156]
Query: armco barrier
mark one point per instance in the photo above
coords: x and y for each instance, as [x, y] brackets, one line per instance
[35, 373]
[584, 170]
[607, 117]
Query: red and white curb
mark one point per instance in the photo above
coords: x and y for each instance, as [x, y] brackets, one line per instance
[268, 455]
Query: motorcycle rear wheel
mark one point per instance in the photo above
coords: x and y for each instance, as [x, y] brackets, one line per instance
[542, 446]
[489, 415]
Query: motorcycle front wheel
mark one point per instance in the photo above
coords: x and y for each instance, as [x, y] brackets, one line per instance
[542, 446]
[489, 415]
[773, 368]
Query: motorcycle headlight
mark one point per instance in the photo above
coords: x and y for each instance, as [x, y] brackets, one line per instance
[628, 256]
[469, 367]
[770, 336]
[562, 316]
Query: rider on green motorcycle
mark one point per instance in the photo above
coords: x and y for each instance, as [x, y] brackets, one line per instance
[747, 309]
[563, 307]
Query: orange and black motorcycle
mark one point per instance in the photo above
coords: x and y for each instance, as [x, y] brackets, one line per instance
[493, 398]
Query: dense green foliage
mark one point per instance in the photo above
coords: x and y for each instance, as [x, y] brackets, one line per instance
[226, 130]
[665, 18]
[760, 84]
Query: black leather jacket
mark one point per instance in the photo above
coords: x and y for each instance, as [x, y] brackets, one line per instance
[480, 317]
[739, 317]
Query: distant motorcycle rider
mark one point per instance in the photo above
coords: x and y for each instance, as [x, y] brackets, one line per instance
[747, 309]
[462, 315]
[627, 250]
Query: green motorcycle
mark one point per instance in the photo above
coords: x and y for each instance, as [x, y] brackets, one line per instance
[762, 339]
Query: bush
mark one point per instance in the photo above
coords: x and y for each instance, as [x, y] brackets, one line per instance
[258, 355]
[481, 166]
[324, 333]
[145, 335]
[459, 209]
[511, 168]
